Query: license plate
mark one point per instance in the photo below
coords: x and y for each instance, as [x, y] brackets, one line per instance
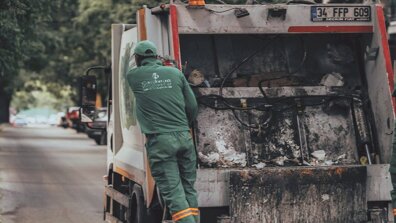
[340, 14]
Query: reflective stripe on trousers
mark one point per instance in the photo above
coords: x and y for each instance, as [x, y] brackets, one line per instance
[185, 213]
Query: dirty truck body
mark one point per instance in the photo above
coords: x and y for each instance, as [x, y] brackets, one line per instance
[295, 116]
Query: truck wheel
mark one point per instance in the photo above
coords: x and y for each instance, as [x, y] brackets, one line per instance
[137, 211]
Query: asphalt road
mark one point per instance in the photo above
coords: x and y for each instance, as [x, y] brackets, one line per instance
[50, 174]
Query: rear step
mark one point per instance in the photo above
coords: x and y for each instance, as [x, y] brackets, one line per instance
[120, 198]
[124, 201]
[117, 196]
[334, 194]
[111, 219]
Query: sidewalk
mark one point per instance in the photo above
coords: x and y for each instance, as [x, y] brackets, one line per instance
[4, 125]
[6, 209]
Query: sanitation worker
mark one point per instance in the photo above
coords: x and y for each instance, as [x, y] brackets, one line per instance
[166, 107]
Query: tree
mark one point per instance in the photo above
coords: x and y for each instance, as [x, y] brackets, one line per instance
[20, 44]
[36, 94]
[33, 36]
[55, 41]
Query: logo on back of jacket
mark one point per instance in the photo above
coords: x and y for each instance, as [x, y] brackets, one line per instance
[156, 84]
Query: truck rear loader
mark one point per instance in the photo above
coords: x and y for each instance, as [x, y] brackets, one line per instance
[295, 116]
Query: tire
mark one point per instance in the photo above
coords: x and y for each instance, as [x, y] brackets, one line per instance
[137, 211]
[103, 138]
[97, 140]
[80, 127]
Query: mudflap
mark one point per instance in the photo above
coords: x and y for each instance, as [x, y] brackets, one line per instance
[335, 194]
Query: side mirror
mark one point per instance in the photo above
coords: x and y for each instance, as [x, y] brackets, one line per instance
[88, 98]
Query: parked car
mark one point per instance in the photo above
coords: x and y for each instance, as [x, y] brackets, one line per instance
[20, 122]
[73, 119]
[97, 130]
[64, 122]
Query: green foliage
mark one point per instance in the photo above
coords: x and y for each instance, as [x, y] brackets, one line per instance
[15, 27]
[36, 94]
[28, 41]
[55, 41]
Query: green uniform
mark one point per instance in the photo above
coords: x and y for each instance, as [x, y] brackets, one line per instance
[392, 171]
[164, 99]
[165, 107]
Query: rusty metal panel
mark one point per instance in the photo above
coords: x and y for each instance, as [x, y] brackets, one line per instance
[299, 194]
[378, 183]
[221, 19]
[212, 186]
[277, 141]
[220, 139]
[223, 142]
[254, 92]
[379, 93]
[333, 132]
[304, 59]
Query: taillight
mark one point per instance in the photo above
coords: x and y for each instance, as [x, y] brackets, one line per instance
[196, 2]
[74, 115]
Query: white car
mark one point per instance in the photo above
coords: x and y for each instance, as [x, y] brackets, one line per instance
[20, 122]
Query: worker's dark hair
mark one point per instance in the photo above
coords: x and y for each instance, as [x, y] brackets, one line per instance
[140, 58]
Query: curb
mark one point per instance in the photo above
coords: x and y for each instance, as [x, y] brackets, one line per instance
[2, 126]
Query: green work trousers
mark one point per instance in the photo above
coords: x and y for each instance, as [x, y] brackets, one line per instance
[172, 159]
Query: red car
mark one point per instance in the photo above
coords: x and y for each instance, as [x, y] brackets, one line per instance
[73, 119]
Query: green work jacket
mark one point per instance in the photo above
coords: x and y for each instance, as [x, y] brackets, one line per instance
[164, 99]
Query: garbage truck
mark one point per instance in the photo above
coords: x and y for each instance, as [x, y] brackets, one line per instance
[295, 119]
